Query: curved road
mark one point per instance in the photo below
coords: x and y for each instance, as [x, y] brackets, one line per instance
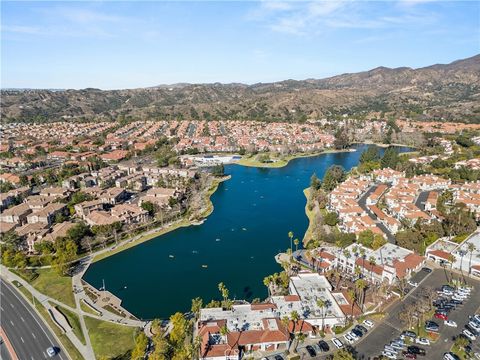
[28, 334]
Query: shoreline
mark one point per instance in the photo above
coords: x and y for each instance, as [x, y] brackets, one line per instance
[309, 214]
[247, 162]
[173, 226]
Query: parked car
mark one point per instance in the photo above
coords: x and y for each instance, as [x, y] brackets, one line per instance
[322, 344]
[408, 333]
[338, 344]
[427, 270]
[476, 318]
[408, 355]
[472, 330]
[353, 335]
[396, 346]
[456, 302]
[311, 351]
[361, 328]
[441, 315]
[431, 326]
[422, 341]
[389, 355]
[357, 332]
[278, 357]
[349, 338]
[469, 334]
[474, 325]
[368, 323]
[416, 350]
[412, 283]
[450, 356]
[450, 323]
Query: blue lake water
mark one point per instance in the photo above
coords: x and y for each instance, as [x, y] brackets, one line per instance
[254, 211]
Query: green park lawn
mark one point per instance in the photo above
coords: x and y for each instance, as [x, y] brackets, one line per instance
[57, 287]
[110, 340]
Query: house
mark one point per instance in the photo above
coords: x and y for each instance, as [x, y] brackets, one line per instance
[86, 207]
[47, 214]
[129, 213]
[56, 192]
[16, 214]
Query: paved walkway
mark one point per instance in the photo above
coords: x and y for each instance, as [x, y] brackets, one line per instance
[85, 350]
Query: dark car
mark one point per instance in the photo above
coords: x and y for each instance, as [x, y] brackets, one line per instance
[278, 357]
[431, 326]
[362, 328]
[322, 344]
[409, 355]
[416, 350]
[357, 332]
[448, 287]
[456, 302]
[427, 270]
[311, 351]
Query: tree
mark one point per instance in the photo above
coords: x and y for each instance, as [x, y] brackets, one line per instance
[461, 342]
[179, 328]
[77, 232]
[11, 239]
[296, 242]
[315, 182]
[333, 176]
[290, 235]
[322, 304]
[369, 155]
[331, 218]
[471, 248]
[218, 170]
[361, 285]
[372, 263]
[341, 139]
[197, 304]
[223, 291]
[141, 343]
[390, 158]
[353, 297]
[148, 206]
[343, 354]
[267, 281]
[366, 238]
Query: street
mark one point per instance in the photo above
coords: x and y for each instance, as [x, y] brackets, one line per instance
[29, 336]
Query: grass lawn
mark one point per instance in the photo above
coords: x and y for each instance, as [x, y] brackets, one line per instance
[253, 162]
[140, 240]
[110, 340]
[88, 309]
[67, 345]
[74, 322]
[57, 287]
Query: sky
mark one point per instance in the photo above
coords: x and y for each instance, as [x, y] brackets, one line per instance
[121, 44]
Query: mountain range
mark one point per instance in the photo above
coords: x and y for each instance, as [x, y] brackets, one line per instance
[440, 92]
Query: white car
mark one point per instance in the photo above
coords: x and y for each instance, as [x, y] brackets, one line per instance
[461, 295]
[389, 355]
[412, 283]
[338, 344]
[390, 349]
[476, 318]
[422, 341]
[450, 323]
[368, 323]
[51, 351]
[349, 339]
[469, 335]
[447, 292]
[474, 325]
[353, 335]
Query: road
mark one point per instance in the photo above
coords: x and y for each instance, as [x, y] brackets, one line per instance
[391, 326]
[362, 202]
[29, 336]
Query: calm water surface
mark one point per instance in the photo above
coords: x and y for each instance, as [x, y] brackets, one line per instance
[254, 211]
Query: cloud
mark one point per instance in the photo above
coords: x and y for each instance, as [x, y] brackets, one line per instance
[315, 17]
[20, 29]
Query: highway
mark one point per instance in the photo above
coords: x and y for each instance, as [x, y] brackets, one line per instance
[29, 336]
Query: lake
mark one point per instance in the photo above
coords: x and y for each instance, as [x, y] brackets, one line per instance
[254, 211]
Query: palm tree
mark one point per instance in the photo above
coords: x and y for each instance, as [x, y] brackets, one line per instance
[224, 330]
[295, 317]
[347, 254]
[362, 253]
[322, 305]
[296, 242]
[290, 235]
[361, 285]
[471, 248]
[372, 262]
[223, 291]
[353, 296]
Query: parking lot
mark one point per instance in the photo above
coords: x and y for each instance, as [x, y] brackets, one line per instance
[391, 327]
[372, 344]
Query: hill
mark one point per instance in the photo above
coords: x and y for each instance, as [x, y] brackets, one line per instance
[442, 91]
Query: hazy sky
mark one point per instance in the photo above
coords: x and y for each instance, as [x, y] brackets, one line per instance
[113, 45]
